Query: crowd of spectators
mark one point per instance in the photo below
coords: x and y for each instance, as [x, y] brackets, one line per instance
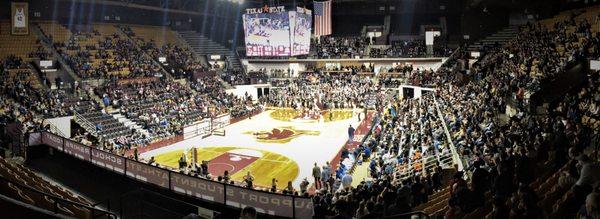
[501, 156]
[40, 53]
[322, 91]
[179, 61]
[164, 107]
[12, 110]
[539, 53]
[501, 153]
[13, 62]
[23, 86]
[408, 134]
[349, 47]
[414, 48]
[499, 150]
[108, 56]
[340, 47]
[235, 77]
[409, 49]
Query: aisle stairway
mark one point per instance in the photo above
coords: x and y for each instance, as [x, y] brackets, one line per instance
[204, 46]
[111, 127]
[130, 124]
[66, 73]
[501, 37]
[361, 173]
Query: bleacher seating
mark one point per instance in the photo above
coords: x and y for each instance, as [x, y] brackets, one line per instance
[418, 145]
[107, 126]
[202, 45]
[24, 75]
[18, 45]
[100, 51]
[57, 32]
[159, 35]
[159, 42]
[22, 175]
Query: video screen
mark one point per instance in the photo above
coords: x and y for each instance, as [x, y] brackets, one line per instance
[267, 34]
[301, 35]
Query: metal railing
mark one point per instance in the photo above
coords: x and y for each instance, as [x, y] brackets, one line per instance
[411, 215]
[87, 125]
[55, 130]
[455, 156]
[427, 165]
[374, 123]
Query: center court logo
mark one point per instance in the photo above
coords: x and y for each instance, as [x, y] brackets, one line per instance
[280, 135]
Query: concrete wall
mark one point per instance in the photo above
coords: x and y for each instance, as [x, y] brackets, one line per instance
[63, 124]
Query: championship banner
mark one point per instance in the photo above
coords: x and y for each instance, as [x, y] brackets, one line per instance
[19, 18]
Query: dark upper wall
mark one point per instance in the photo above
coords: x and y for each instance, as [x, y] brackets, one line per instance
[221, 29]
[221, 20]
[478, 23]
[483, 17]
[407, 16]
[4, 10]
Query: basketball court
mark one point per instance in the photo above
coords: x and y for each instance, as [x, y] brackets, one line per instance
[277, 143]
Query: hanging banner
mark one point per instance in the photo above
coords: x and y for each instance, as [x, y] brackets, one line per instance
[19, 18]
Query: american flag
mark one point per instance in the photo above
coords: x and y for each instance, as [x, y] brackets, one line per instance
[322, 18]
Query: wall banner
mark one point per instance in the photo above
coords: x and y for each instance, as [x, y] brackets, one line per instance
[19, 18]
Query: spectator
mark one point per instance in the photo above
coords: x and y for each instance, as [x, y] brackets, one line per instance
[249, 179]
[316, 173]
[289, 189]
[274, 185]
[350, 134]
[500, 210]
[588, 177]
[248, 213]
[591, 209]
[304, 186]
[347, 180]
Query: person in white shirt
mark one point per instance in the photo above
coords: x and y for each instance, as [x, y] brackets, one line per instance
[347, 180]
[590, 171]
[588, 178]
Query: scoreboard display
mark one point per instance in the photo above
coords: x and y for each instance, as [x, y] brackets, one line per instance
[277, 33]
